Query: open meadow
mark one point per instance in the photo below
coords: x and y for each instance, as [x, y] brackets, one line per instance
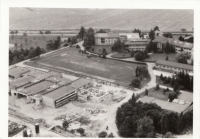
[70, 58]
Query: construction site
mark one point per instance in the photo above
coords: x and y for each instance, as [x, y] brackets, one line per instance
[53, 97]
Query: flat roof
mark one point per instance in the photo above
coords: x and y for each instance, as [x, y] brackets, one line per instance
[21, 81]
[170, 106]
[186, 96]
[106, 35]
[38, 87]
[139, 41]
[147, 99]
[176, 107]
[46, 75]
[59, 92]
[35, 72]
[175, 64]
[79, 83]
[16, 71]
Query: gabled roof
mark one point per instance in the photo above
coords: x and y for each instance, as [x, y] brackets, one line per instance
[162, 39]
[176, 42]
[175, 64]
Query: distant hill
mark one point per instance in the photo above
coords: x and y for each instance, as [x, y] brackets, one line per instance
[128, 19]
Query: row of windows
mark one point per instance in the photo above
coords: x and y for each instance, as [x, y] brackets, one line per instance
[173, 68]
[67, 96]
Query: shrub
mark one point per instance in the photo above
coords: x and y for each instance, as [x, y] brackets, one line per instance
[111, 135]
[66, 44]
[77, 46]
[81, 131]
[172, 96]
[139, 56]
[102, 134]
[167, 89]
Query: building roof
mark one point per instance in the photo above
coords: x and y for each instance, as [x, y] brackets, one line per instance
[38, 87]
[59, 92]
[170, 106]
[130, 35]
[17, 71]
[80, 83]
[35, 72]
[45, 75]
[162, 39]
[137, 41]
[175, 64]
[176, 42]
[106, 35]
[21, 81]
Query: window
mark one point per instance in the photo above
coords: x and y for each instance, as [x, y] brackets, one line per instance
[102, 40]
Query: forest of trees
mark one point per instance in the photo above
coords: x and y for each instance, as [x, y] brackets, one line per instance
[135, 119]
[23, 54]
[182, 81]
[53, 45]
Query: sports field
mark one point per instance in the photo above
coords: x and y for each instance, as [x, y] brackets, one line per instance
[70, 58]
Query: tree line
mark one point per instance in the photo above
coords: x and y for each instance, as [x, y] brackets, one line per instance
[143, 120]
[140, 73]
[23, 54]
[181, 81]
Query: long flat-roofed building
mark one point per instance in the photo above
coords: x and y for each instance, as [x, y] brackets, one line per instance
[59, 96]
[173, 67]
[17, 72]
[105, 38]
[169, 106]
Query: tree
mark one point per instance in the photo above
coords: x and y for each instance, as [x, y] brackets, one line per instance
[38, 51]
[164, 124]
[118, 46]
[132, 53]
[16, 32]
[81, 131]
[145, 128]
[156, 28]
[139, 56]
[135, 83]
[41, 32]
[21, 57]
[102, 134]
[65, 124]
[47, 32]
[15, 60]
[182, 57]
[12, 32]
[176, 87]
[172, 96]
[111, 135]
[152, 35]
[166, 58]
[25, 34]
[81, 32]
[181, 38]
[167, 48]
[146, 92]
[168, 35]
[74, 40]
[137, 31]
[101, 31]
[69, 40]
[32, 53]
[180, 123]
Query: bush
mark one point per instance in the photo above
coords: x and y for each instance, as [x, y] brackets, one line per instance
[111, 135]
[81, 131]
[66, 44]
[77, 46]
[102, 134]
[139, 56]
[172, 96]
[135, 83]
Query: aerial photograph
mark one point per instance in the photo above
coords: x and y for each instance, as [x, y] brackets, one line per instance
[100, 73]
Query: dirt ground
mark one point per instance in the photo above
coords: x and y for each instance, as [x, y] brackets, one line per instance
[70, 109]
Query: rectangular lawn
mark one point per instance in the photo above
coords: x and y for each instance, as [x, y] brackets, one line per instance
[154, 57]
[70, 58]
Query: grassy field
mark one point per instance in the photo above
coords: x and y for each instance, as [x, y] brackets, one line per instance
[158, 94]
[63, 18]
[32, 41]
[121, 55]
[70, 58]
[154, 57]
[99, 49]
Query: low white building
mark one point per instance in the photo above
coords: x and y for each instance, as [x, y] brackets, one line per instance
[173, 67]
[137, 44]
